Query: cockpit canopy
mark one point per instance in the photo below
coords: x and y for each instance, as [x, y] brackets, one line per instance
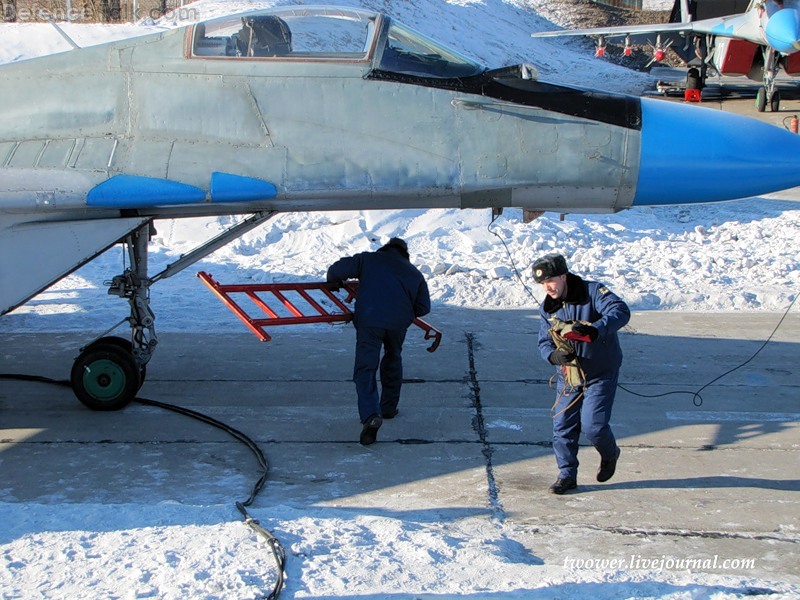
[339, 34]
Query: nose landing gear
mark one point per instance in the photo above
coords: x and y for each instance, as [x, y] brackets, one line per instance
[109, 372]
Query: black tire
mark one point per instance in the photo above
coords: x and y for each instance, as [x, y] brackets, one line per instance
[126, 345]
[775, 103]
[116, 340]
[761, 99]
[105, 377]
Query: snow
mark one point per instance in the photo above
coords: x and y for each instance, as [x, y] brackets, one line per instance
[738, 256]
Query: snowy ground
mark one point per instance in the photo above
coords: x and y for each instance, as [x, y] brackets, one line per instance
[732, 256]
[740, 256]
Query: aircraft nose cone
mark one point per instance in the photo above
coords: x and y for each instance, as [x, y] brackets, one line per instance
[692, 154]
[783, 30]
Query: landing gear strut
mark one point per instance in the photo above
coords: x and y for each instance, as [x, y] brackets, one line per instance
[110, 370]
[767, 94]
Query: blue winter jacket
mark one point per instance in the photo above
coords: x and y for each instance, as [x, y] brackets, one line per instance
[391, 291]
[594, 303]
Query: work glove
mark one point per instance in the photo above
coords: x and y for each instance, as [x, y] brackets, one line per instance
[336, 285]
[561, 357]
[582, 333]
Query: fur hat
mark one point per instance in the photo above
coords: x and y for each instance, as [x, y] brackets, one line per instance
[398, 244]
[550, 265]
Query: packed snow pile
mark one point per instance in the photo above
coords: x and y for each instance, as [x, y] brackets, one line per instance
[737, 256]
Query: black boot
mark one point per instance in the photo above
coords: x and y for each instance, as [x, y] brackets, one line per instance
[389, 413]
[370, 431]
[561, 486]
[607, 468]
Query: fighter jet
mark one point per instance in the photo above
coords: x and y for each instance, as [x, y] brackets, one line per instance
[756, 43]
[316, 108]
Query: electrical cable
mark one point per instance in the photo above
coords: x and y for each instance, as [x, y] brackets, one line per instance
[511, 258]
[274, 544]
[697, 398]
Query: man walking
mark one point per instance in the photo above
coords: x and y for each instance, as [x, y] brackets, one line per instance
[578, 334]
[391, 294]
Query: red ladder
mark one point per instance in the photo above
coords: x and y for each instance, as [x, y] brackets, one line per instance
[292, 299]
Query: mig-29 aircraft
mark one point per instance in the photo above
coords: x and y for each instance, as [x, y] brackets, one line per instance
[316, 108]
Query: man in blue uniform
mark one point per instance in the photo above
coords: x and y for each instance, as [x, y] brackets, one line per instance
[391, 294]
[591, 315]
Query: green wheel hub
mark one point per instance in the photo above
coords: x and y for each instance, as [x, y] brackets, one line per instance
[105, 376]
[104, 379]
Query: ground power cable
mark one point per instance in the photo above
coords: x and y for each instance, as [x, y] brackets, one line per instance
[697, 398]
[511, 259]
[274, 544]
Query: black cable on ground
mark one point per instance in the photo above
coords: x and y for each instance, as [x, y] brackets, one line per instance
[274, 544]
[697, 399]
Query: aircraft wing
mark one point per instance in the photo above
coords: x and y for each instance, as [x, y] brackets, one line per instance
[34, 254]
[620, 31]
[741, 26]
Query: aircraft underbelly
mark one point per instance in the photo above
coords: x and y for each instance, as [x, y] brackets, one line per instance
[44, 190]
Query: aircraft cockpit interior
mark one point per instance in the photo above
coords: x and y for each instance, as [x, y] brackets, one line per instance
[328, 34]
[307, 33]
[408, 51]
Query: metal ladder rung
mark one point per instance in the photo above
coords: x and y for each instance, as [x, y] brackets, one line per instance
[262, 305]
[256, 325]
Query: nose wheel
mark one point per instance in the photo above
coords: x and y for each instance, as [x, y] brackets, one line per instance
[105, 376]
[774, 101]
[767, 94]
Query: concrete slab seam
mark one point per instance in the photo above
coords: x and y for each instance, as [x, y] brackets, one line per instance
[479, 425]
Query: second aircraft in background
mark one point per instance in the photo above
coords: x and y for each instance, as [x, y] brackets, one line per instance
[756, 43]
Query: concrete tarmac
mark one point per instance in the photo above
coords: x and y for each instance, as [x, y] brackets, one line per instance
[713, 475]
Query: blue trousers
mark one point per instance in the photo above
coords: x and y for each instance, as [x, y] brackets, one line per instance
[591, 415]
[369, 342]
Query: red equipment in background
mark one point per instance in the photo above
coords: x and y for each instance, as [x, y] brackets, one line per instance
[290, 300]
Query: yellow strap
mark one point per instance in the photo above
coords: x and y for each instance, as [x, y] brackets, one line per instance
[566, 408]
